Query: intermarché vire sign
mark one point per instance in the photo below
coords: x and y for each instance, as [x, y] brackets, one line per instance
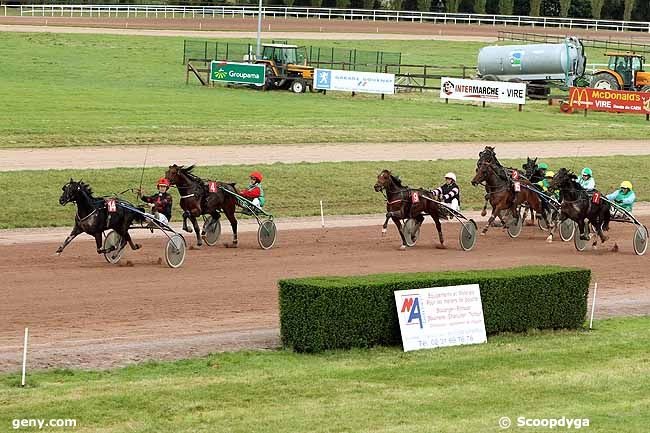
[243, 73]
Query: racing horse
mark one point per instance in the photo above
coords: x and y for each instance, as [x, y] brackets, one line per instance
[95, 215]
[578, 205]
[532, 173]
[400, 205]
[197, 200]
[501, 193]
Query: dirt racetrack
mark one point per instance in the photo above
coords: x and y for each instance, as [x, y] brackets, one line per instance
[83, 312]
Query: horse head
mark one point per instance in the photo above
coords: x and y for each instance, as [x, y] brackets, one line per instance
[383, 180]
[482, 172]
[487, 155]
[73, 190]
[564, 179]
[530, 167]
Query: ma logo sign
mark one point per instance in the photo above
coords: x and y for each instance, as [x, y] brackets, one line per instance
[220, 74]
[324, 79]
[411, 306]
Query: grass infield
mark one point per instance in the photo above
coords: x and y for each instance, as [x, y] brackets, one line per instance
[78, 90]
[601, 375]
[31, 198]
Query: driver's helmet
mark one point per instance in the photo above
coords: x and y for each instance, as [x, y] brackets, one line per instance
[587, 172]
[542, 166]
[550, 174]
[451, 176]
[256, 175]
[163, 182]
[626, 184]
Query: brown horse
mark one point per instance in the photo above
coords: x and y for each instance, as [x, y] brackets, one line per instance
[197, 200]
[501, 193]
[400, 205]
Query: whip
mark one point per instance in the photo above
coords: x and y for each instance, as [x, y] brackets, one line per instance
[146, 154]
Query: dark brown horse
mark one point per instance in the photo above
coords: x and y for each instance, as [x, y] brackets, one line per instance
[197, 199]
[400, 205]
[500, 188]
[580, 206]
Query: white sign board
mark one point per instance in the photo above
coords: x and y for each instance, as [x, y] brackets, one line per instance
[354, 81]
[440, 317]
[478, 90]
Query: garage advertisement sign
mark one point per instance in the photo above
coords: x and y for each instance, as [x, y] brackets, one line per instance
[440, 317]
[616, 101]
[479, 90]
[354, 81]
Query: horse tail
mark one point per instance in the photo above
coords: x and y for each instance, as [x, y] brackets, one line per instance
[137, 216]
[606, 218]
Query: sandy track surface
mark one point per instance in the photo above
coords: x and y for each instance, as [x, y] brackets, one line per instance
[133, 156]
[202, 25]
[83, 312]
[268, 33]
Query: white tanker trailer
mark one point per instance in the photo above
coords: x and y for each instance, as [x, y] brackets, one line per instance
[535, 64]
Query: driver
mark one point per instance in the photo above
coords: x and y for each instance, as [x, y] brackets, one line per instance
[449, 191]
[624, 196]
[161, 202]
[254, 192]
[587, 180]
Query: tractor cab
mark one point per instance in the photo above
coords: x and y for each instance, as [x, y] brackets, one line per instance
[624, 72]
[283, 54]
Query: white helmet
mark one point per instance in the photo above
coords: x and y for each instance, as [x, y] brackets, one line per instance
[450, 175]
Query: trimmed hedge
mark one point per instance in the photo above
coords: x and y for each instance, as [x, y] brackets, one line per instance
[323, 313]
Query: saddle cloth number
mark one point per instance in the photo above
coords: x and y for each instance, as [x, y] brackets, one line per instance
[212, 186]
[517, 186]
[111, 205]
[596, 198]
[415, 197]
[515, 174]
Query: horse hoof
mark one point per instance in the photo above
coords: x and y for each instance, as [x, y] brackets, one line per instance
[482, 233]
[441, 247]
[402, 247]
[383, 232]
[137, 246]
[483, 212]
[188, 229]
[549, 239]
[615, 248]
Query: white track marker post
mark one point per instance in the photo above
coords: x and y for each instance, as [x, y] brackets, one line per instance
[322, 216]
[593, 307]
[22, 383]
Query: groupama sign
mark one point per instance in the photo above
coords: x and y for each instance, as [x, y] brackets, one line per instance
[242, 73]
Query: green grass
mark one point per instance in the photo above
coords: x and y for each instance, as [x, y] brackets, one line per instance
[31, 200]
[77, 90]
[601, 375]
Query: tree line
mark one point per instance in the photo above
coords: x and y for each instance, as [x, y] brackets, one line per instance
[634, 10]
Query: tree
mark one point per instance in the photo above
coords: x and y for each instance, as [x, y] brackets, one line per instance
[452, 6]
[479, 6]
[596, 8]
[564, 8]
[535, 6]
[342, 4]
[396, 5]
[424, 5]
[629, 7]
[506, 7]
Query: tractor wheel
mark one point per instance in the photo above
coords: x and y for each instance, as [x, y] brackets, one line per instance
[604, 80]
[645, 89]
[298, 86]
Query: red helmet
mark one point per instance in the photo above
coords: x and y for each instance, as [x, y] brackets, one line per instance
[257, 175]
[164, 182]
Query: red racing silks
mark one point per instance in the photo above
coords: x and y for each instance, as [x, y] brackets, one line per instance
[111, 205]
[212, 186]
[596, 198]
[415, 197]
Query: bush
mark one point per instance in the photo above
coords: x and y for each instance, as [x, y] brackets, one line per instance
[323, 313]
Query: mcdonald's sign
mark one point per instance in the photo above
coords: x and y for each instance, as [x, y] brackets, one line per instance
[615, 101]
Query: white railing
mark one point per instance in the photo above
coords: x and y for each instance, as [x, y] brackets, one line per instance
[161, 11]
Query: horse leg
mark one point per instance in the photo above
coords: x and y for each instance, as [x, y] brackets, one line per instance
[186, 216]
[490, 221]
[484, 211]
[436, 220]
[399, 230]
[385, 226]
[195, 224]
[581, 227]
[76, 231]
[230, 214]
[127, 238]
[215, 217]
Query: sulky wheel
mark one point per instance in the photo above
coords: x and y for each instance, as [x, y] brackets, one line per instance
[212, 229]
[640, 241]
[411, 231]
[514, 230]
[567, 230]
[175, 251]
[266, 234]
[113, 247]
[579, 243]
[467, 237]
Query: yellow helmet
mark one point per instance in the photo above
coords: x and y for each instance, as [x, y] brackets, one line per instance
[626, 184]
[549, 174]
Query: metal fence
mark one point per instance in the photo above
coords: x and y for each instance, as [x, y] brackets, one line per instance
[161, 11]
[341, 58]
[591, 43]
